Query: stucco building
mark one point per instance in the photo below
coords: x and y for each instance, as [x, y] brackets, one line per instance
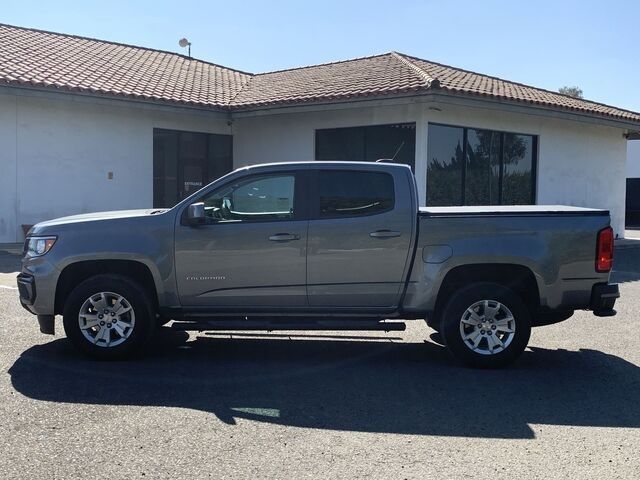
[89, 125]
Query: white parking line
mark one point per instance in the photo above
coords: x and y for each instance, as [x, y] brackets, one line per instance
[8, 288]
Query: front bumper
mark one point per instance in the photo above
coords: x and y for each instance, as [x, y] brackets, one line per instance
[27, 289]
[603, 299]
[37, 285]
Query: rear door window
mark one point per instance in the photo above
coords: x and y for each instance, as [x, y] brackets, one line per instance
[345, 193]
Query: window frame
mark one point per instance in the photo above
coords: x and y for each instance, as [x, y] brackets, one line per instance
[465, 129]
[300, 200]
[314, 194]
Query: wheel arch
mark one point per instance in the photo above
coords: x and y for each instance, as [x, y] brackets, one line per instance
[518, 278]
[77, 272]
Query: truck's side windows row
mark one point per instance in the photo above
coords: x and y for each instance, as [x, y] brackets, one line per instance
[341, 193]
[265, 197]
[345, 193]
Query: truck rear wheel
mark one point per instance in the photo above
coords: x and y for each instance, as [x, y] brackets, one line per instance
[485, 325]
[108, 317]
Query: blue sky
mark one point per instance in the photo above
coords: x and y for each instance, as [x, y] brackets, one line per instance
[548, 44]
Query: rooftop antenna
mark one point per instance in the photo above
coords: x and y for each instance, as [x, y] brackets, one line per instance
[392, 159]
[183, 42]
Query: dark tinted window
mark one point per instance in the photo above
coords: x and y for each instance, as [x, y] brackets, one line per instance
[348, 194]
[345, 144]
[517, 180]
[482, 179]
[444, 169]
[469, 166]
[165, 168]
[368, 144]
[184, 162]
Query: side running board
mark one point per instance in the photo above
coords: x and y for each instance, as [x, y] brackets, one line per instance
[272, 325]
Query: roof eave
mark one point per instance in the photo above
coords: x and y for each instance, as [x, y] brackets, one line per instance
[419, 96]
[100, 97]
[531, 108]
[269, 108]
[436, 95]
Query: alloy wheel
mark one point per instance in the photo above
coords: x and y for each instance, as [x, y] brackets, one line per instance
[487, 327]
[106, 319]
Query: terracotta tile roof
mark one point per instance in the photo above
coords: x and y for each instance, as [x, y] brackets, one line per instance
[466, 82]
[68, 62]
[396, 73]
[361, 77]
[44, 59]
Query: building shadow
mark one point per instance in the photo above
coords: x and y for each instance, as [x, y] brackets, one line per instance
[353, 384]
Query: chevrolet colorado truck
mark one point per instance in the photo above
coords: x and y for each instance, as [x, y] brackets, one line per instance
[319, 246]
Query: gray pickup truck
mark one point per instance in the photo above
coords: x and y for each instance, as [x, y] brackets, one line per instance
[319, 246]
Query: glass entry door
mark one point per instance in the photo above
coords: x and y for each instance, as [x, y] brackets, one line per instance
[192, 175]
[184, 162]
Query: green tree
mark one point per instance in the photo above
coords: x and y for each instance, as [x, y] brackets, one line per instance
[571, 91]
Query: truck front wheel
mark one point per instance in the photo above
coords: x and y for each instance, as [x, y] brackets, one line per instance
[108, 317]
[485, 325]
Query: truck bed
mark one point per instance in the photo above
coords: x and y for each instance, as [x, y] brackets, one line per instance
[510, 210]
[556, 243]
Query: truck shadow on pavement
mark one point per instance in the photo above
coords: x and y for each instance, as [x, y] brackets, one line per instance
[352, 384]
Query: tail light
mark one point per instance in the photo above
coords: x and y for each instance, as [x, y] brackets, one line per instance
[604, 250]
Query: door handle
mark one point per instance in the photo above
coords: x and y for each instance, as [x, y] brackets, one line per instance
[284, 237]
[385, 234]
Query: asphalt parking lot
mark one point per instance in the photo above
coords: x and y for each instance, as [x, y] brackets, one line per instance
[324, 406]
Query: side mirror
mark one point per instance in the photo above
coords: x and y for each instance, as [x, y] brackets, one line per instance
[195, 214]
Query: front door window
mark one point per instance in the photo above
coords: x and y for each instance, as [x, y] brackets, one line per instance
[265, 197]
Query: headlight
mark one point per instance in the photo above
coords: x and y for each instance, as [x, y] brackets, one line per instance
[38, 246]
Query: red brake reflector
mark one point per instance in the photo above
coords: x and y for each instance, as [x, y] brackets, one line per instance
[604, 250]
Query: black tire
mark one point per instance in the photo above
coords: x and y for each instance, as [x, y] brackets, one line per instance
[451, 325]
[433, 323]
[137, 298]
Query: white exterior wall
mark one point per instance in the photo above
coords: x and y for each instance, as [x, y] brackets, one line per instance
[579, 164]
[8, 194]
[633, 159]
[57, 152]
